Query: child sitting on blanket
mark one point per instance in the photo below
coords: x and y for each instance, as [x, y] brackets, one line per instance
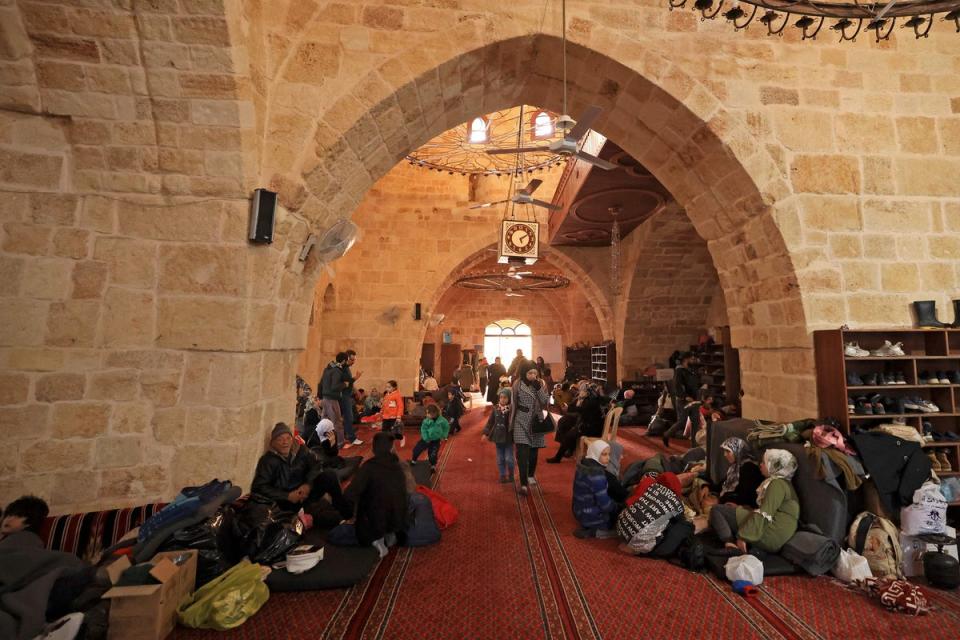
[497, 431]
[593, 507]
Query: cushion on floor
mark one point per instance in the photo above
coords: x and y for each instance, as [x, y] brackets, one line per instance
[340, 568]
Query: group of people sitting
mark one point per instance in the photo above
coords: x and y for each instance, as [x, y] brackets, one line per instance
[665, 500]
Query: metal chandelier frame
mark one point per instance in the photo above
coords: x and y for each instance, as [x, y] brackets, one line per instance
[851, 18]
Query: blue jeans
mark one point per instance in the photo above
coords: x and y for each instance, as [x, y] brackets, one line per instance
[346, 410]
[505, 459]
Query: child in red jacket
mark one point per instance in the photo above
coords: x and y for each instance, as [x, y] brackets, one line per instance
[392, 412]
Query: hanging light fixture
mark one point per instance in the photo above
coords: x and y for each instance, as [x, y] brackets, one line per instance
[850, 18]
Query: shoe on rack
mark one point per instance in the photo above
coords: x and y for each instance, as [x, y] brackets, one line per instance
[934, 462]
[924, 378]
[926, 311]
[911, 404]
[869, 380]
[944, 461]
[854, 380]
[853, 350]
[928, 432]
[863, 408]
[899, 378]
[877, 405]
[953, 377]
[882, 379]
[950, 436]
[850, 405]
[942, 377]
[889, 350]
[927, 407]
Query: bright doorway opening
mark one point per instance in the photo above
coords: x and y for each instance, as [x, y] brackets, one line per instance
[502, 339]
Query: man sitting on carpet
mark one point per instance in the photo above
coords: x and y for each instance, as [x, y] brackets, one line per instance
[293, 476]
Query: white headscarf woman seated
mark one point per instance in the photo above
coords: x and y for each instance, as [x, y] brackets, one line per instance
[774, 521]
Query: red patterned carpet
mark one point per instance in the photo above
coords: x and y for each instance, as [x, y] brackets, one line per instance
[511, 568]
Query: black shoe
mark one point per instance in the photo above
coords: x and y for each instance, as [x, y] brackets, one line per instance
[554, 460]
[584, 533]
[666, 441]
[899, 378]
[854, 380]
[869, 379]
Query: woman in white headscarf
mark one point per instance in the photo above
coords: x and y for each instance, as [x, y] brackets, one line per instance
[774, 521]
[593, 507]
[743, 475]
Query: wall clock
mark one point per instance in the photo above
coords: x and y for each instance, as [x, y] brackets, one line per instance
[519, 241]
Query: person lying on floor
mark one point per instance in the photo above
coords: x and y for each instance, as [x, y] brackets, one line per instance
[293, 476]
[323, 443]
[590, 411]
[774, 522]
[379, 492]
[22, 519]
[594, 506]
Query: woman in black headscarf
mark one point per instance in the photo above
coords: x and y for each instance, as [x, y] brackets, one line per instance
[530, 398]
[379, 492]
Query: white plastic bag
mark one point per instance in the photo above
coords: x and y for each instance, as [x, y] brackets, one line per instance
[745, 567]
[851, 566]
[927, 514]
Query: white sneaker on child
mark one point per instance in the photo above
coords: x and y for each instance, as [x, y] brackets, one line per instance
[380, 547]
[532, 481]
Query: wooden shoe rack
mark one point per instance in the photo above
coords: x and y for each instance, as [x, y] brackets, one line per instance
[928, 350]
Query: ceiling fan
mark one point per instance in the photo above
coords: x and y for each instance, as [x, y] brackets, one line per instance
[568, 145]
[513, 273]
[522, 196]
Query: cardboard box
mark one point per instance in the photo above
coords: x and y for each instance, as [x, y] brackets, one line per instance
[150, 611]
[913, 550]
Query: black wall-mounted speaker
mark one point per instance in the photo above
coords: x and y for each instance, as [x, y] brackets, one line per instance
[416, 311]
[262, 212]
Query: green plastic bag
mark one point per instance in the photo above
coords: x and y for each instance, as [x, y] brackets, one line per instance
[228, 601]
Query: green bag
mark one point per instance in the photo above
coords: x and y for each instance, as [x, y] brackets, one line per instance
[228, 601]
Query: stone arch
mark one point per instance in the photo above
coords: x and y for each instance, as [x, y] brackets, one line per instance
[706, 156]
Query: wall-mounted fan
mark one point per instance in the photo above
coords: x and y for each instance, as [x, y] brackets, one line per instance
[334, 243]
[523, 196]
[391, 315]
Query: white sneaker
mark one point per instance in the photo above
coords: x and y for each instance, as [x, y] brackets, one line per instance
[532, 482]
[380, 547]
[889, 350]
[853, 350]
[357, 442]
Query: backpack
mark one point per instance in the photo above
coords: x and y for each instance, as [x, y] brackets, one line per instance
[877, 540]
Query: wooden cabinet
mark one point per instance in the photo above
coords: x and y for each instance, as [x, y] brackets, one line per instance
[844, 379]
[719, 367]
[603, 364]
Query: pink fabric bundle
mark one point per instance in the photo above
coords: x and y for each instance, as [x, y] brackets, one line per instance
[825, 436]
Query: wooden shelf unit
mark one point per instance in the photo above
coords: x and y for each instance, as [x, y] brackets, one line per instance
[927, 350]
[603, 364]
[720, 363]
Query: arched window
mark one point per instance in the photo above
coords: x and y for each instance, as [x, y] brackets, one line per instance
[542, 125]
[479, 131]
[502, 339]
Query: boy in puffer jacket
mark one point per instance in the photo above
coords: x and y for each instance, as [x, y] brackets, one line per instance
[592, 506]
[433, 429]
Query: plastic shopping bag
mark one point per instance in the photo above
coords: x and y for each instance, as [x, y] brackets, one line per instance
[227, 601]
[745, 567]
[851, 566]
[927, 514]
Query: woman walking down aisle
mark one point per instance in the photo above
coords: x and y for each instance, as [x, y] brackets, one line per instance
[529, 398]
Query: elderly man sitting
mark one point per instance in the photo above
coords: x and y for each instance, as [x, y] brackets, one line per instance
[294, 476]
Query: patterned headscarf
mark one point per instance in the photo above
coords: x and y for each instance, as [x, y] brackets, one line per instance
[780, 464]
[738, 447]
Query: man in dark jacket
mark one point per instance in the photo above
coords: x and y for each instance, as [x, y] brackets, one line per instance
[494, 372]
[346, 400]
[379, 491]
[515, 365]
[686, 387]
[331, 390]
[292, 478]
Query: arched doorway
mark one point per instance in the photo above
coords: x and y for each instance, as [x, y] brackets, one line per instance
[502, 339]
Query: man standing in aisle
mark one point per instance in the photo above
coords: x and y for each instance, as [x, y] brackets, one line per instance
[515, 365]
[686, 387]
[346, 400]
[331, 390]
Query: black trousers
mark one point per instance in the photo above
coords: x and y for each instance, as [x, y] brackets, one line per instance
[432, 448]
[526, 462]
[691, 411]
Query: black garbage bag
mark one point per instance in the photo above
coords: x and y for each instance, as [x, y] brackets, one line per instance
[207, 538]
[263, 533]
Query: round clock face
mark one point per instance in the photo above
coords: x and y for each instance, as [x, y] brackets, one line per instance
[520, 238]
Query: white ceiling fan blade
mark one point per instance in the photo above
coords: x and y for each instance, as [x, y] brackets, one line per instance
[594, 160]
[583, 124]
[488, 204]
[524, 273]
[495, 152]
[531, 187]
[883, 11]
[545, 205]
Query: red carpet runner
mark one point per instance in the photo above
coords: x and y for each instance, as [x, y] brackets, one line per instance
[511, 568]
